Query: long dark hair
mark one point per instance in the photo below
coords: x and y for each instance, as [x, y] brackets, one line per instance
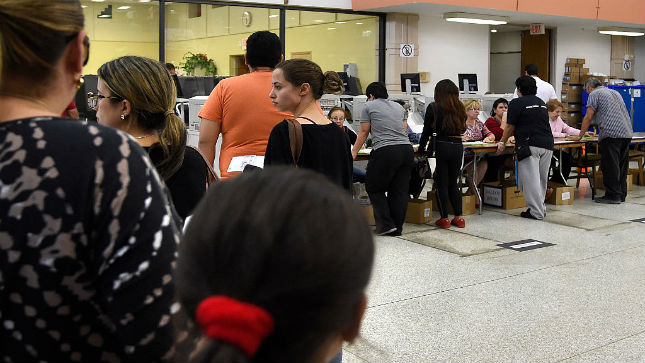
[147, 85]
[496, 103]
[310, 278]
[446, 96]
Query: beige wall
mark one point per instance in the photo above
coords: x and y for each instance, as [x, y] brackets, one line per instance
[133, 31]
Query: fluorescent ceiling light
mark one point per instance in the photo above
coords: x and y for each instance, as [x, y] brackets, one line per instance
[628, 32]
[144, 1]
[98, 1]
[493, 30]
[341, 22]
[105, 16]
[359, 23]
[274, 16]
[83, 6]
[331, 28]
[475, 18]
[123, 7]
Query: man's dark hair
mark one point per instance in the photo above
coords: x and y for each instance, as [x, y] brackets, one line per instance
[376, 89]
[170, 66]
[263, 49]
[526, 85]
[531, 69]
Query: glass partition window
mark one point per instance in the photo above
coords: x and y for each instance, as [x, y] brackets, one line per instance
[333, 39]
[218, 31]
[121, 27]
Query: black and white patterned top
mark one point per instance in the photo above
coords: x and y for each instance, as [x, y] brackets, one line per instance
[87, 246]
[610, 113]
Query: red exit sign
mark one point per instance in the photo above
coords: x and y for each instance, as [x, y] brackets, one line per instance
[537, 29]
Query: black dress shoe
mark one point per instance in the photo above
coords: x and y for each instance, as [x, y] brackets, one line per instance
[527, 214]
[605, 200]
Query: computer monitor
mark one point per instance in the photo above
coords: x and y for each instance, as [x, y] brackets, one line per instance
[351, 85]
[467, 82]
[410, 82]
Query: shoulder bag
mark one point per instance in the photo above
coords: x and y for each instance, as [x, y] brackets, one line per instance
[211, 177]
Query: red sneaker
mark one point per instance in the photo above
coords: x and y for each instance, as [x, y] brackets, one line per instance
[458, 222]
[443, 223]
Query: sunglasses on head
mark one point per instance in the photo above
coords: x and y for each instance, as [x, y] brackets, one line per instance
[86, 46]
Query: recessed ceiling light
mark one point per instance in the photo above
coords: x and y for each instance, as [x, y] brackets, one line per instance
[124, 7]
[628, 32]
[475, 18]
[493, 30]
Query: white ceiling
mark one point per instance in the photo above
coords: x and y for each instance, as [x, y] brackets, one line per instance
[518, 20]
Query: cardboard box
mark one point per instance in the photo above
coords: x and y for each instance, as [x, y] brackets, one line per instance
[572, 77]
[419, 211]
[503, 196]
[597, 181]
[571, 97]
[573, 92]
[638, 176]
[572, 118]
[562, 194]
[467, 203]
[575, 61]
[369, 213]
[570, 68]
[571, 107]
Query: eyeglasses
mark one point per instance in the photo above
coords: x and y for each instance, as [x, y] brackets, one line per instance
[93, 100]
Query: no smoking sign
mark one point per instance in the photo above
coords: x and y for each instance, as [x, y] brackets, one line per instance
[407, 50]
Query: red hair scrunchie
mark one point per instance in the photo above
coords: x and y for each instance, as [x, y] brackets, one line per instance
[241, 324]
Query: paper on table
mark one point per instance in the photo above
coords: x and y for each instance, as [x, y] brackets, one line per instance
[239, 162]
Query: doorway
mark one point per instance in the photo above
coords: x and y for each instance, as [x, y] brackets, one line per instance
[237, 66]
[536, 50]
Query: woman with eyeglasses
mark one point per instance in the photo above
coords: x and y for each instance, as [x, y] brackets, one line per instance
[136, 95]
[87, 238]
[475, 131]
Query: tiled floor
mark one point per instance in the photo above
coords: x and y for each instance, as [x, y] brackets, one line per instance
[456, 296]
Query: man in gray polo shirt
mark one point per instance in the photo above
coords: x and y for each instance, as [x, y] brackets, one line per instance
[614, 136]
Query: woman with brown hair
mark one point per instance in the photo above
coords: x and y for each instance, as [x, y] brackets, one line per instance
[297, 84]
[136, 95]
[445, 120]
[87, 237]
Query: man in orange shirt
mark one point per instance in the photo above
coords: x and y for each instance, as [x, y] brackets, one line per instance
[240, 107]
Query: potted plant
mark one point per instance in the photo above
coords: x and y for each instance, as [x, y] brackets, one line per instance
[198, 63]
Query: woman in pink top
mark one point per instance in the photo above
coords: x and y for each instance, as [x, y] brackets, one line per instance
[475, 131]
[560, 129]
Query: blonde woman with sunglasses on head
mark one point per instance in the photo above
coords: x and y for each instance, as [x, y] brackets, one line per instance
[87, 238]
